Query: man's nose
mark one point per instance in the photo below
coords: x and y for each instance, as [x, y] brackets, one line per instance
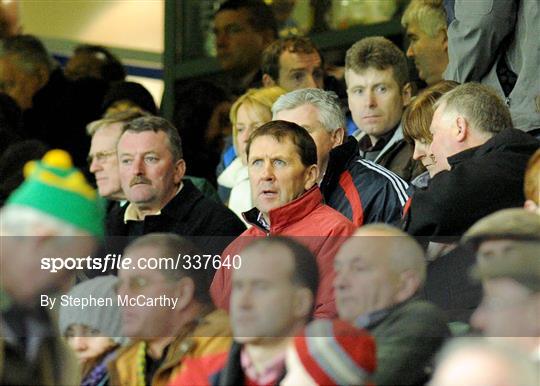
[410, 52]
[95, 165]
[267, 171]
[222, 39]
[340, 281]
[371, 100]
[138, 166]
[79, 343]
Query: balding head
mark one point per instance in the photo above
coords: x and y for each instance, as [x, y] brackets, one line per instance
[376, 268]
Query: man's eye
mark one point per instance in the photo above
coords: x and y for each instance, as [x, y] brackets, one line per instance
[151, 160]
[298, 76]
[381, 89]
[257, 162]
[279, 163]
[126, 161]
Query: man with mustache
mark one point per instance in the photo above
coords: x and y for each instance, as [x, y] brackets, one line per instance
[283, 173]
[151, 174]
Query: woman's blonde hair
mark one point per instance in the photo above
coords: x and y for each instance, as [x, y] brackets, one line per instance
[262, 98]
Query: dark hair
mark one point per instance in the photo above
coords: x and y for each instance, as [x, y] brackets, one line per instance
[281, 130]
[272, 53]
[306, 271]
[132, 91]
[29, 52]
[379, 53]
[170, 246]
[112, 69]
[157, 124]
[261, 16]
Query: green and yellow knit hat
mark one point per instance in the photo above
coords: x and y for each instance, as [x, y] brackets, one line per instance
[55, 187]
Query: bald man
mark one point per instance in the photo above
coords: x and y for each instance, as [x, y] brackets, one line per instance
[378, 274]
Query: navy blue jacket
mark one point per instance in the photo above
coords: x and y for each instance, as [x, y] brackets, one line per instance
[361, 190]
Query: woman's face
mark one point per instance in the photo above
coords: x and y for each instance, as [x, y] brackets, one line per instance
[87, 342]
[423, 154]
[248, 118]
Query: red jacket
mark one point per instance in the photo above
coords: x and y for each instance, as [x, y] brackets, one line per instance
[312, 223]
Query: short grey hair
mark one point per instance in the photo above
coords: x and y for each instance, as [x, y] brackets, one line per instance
[331, 115]
[483, 108]
[117, 117]
[429, 15]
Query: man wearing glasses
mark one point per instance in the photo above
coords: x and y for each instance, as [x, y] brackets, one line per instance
[102, 158]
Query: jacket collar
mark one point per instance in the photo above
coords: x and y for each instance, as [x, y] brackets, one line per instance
[180, 205]
[288, 214]
[339, 159]
[396, 137]
[507, 139]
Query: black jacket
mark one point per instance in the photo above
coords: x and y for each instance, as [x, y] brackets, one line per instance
[482, 180]
[361, 190]
[60, 112]
[207, 223]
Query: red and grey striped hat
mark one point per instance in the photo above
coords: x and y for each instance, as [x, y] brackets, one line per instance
[334, 352]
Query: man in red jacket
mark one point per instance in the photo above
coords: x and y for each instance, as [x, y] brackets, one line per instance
[282, 164]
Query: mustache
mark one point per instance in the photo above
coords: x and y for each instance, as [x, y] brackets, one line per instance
[139, 180]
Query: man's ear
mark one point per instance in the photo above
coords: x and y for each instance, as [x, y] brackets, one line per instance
[406, 94]
[462, 128]
[267, 81]
[409, 282]
[310, 176]
[303, 303]
[184, 292]
[337, 137]
[179, 171]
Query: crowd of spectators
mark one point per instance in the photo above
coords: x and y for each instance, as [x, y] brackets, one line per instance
[255, 240]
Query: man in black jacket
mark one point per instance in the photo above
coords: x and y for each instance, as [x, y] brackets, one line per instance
[151, 170]
[361, 190]
[55, 110]
[480, 163]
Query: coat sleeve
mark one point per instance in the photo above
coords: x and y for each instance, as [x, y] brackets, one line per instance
[475, 35]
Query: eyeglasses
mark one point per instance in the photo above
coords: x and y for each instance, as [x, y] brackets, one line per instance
[137, 284]
[100, 156]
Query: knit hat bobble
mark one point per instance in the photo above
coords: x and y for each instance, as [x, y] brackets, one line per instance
[53, 186]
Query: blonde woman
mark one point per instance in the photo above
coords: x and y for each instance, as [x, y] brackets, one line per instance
[249, 111]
